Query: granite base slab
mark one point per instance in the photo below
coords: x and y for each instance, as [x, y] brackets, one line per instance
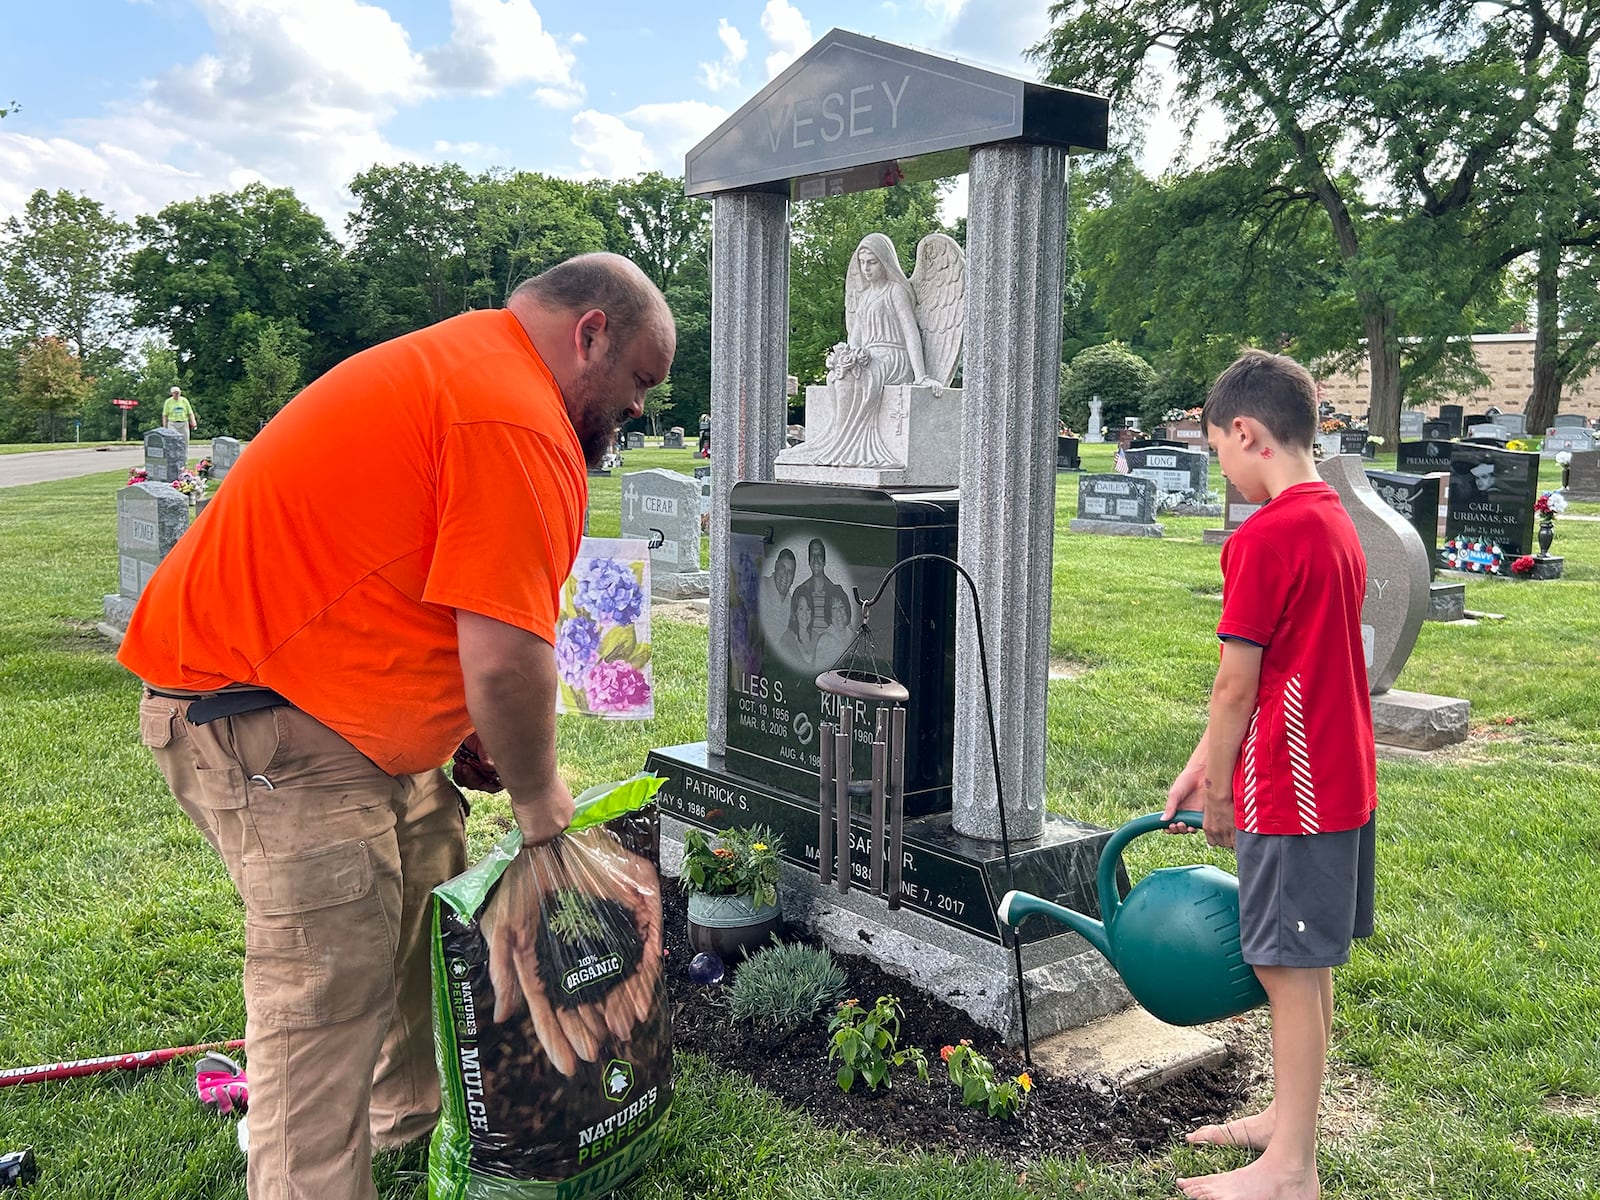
[1447, 601]
[1418, 721]
[1115, 528]
[1129, 1051]
[680, 585]
[944, 938]
[1214, 537]
[1547, 566]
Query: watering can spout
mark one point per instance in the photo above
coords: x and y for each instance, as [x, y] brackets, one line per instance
[1015, 906]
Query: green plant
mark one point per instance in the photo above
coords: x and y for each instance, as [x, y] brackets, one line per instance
[785, 985]
[742, 862]
[574, 918]
[864, 1042]
[974, 1075]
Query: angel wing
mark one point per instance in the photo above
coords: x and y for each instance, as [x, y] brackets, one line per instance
[939, 285]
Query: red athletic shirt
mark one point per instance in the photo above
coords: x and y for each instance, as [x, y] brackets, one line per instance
[1293, 581]
[435, 472]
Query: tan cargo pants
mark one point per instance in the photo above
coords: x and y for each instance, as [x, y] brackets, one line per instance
[335, 861]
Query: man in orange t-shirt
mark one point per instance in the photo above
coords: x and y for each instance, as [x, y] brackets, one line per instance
[321, 640]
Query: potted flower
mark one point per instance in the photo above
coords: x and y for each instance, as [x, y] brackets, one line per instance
[732, 884]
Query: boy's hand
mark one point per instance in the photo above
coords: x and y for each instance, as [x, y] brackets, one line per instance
[1219, 824]
[1188, 790]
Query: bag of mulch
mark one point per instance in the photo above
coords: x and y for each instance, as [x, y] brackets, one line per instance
[550, 1018]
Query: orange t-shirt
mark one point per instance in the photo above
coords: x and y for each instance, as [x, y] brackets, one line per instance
[435, 472]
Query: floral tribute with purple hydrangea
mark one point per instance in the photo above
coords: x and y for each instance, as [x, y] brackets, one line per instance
[603, 633]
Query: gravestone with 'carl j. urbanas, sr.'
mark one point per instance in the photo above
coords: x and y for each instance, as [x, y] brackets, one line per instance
[667, 503]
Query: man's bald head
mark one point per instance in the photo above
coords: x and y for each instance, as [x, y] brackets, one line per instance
[608, 282]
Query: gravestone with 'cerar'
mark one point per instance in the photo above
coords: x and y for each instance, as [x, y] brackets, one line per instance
[665, 501]
[1123, 505]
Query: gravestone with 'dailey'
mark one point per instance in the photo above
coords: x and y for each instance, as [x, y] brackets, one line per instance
[1119, 505]
[151, 517]
[1392, 613]
[165, 455]
[665, 503]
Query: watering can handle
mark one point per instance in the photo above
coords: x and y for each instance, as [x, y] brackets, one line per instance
[1110, 900]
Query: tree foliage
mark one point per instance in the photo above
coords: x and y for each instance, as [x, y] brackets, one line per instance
[51, 384]
[1124, 382]
[59, 264]
[271, 378]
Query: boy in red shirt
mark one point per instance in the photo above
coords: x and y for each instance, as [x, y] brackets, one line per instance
[1286, 770]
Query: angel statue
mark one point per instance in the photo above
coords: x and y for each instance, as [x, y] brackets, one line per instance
[899, 331]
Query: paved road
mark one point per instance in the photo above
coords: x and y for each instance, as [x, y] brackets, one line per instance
[40, 465]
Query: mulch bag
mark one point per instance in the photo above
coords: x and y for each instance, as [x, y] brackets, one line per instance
[550, 1024]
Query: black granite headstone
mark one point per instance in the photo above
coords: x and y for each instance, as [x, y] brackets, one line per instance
[1352, 441]
[1066, 453]
[1452, 414]
[1492, 493]
[803, 557]
[1436, 431]
[1471, 419]
[1422, 458]
[1414, 497]
[1583, 476]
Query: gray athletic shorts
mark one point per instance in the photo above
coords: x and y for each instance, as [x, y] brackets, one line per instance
[1304, 897]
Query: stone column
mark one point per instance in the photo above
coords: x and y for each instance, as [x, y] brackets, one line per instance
[1016, 224]
[749, 410]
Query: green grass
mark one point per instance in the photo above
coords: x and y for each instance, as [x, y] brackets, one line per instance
[33, 447]
[1469, 1026]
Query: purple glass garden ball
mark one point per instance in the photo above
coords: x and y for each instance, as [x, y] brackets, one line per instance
[705, 968]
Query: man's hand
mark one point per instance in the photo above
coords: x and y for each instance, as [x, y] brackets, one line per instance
[472, 767]
[592, 863]
[543, 814]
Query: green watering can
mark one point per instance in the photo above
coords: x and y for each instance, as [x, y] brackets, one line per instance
[1174, 939]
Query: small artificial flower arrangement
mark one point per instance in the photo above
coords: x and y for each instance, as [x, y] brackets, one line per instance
[203, 468]
[742, 862]
[190, 484]
[1334, 425]
[1549, 504]
[137, 475]
[1523, 565]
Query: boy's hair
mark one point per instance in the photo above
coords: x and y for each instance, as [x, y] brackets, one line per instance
[1270, 388]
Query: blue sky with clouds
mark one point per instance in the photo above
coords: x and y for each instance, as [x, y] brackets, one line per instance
[141, 102]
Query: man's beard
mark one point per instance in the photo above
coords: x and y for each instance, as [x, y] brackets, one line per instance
[597, 422]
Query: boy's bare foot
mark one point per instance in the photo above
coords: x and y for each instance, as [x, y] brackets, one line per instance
[1249, 1133]
[1261, 1180]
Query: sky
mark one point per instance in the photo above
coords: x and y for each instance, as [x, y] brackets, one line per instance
[138, 103]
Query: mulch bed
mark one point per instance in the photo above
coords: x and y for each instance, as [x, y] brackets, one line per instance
[1063, 1118]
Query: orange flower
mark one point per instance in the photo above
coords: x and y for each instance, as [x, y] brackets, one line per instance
[1025, 1082]
[946, 1052]
[966, 1041]
[723, 852]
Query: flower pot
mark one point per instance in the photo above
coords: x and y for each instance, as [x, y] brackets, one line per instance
[731, 927]
[1547, 534]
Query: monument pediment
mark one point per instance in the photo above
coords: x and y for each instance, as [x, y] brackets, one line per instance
[854, 113]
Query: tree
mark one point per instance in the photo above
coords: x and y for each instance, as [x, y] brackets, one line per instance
[59, 264]
[1124, 382]
[689, 298]
[271, 378]
[824, 234]
[665, 228]
[656, 401]
[212, 270]
[1383, 115]
[50, 383]
[526, 223]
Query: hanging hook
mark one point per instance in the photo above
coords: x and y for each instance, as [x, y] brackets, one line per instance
[657, 539]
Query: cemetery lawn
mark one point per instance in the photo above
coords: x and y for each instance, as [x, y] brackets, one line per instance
[34, 447]
[1466, 1061]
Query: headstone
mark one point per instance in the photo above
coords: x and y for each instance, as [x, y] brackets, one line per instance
[665, 501]
[1066, 453]
[1414, 497]
[1181, 473]
[672, 439]
[1515, 424]
[1122, 505]
[1235, 511]
[1490, 523]
[1353, 441]
[1411, 422]
[1489, 431]
[1452, 414]
[1569, 421]
[1437, 431]
[702, 476]
[1472, 420]
[1572, 439]
[1091, 435]
[1424, 457]
[150, 519]
[635, 442]
[1583, 476]
[1187, 432]
[224, 453]
[1396, 602]
[165, 455]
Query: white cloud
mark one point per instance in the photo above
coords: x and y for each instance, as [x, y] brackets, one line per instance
[560, 97]
[725, 72]
[495, 44]
[788, 31]
[461, 150]
[993, 32]
[651, 137]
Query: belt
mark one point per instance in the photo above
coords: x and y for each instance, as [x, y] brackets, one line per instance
[205, 707]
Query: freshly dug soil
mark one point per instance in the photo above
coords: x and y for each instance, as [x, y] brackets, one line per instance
[1062, 1118]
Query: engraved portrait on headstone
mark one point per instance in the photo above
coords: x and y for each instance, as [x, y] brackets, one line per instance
[900, 333]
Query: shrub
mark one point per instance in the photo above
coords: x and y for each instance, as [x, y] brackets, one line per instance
[1121, 379]
[865, 1043]
[786, 985]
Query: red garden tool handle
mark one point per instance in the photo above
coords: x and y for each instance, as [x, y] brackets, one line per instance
[11, 1076]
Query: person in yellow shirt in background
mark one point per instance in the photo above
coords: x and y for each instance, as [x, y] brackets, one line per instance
[178, 414]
